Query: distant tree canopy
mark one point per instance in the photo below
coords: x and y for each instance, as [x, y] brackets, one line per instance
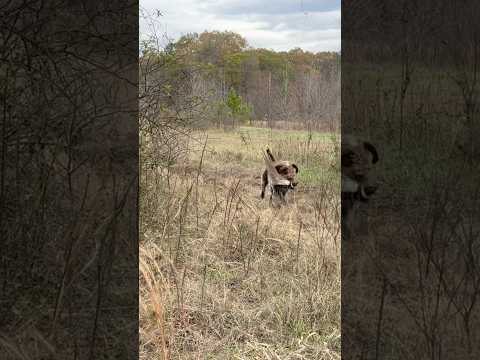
[231, 51]
[210, 47]
[293, 85]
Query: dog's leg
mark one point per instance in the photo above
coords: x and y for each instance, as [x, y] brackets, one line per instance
[285, 197]
[272, 190]
[264, 183]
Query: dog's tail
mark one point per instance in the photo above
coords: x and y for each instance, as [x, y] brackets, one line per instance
[270, 155]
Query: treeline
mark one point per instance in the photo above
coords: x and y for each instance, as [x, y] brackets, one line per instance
[217, 79]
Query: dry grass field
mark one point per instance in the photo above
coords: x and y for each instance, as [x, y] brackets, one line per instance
[225, 276]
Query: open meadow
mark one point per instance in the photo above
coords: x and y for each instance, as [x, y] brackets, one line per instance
[225, 276]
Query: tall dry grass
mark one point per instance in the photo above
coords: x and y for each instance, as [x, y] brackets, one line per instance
[225, 276]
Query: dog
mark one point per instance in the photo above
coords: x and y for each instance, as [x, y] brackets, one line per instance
[279, 176]
[358, 186]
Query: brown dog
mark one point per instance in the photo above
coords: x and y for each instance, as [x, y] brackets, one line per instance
[358, 156]
[279, 176]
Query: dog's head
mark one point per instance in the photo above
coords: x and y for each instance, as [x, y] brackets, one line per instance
[357, 159]
[287, 170]
[281, 172]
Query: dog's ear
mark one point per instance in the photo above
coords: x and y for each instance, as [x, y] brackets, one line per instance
[296, 168]
[369, 147]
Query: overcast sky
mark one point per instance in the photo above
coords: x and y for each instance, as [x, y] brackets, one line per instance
[312, 25]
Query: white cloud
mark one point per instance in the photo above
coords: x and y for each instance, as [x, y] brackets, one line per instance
[279, 25]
